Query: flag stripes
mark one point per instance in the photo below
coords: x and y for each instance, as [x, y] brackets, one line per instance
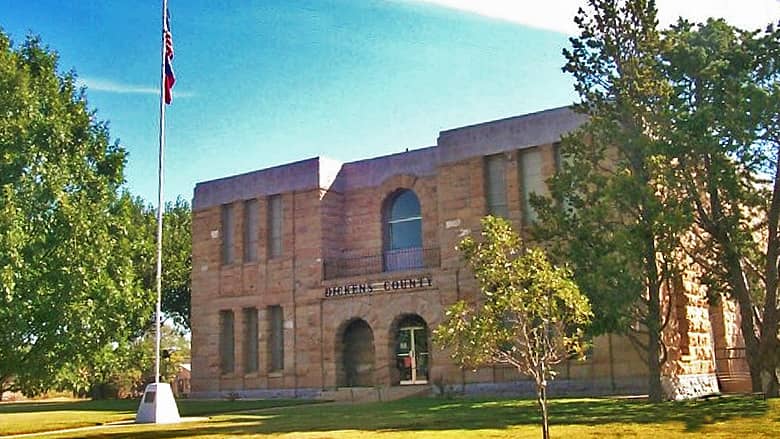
[170, 78]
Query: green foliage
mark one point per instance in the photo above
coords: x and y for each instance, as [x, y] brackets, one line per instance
[140, 221]
[677, 162]
[724, 128]
[177, 262]
[123, 369]
[531, 314]
[531, 310]
[613, 211]
[66, 290]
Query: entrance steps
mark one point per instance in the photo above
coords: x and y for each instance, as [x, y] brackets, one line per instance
[374, 394]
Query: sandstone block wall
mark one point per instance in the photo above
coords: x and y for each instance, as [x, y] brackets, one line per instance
[332, 211]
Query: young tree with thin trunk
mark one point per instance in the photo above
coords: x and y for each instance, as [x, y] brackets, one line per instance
[530, 314]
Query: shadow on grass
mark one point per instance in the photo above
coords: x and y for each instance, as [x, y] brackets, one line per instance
[113, 405]
[466, 414]
[187, 407]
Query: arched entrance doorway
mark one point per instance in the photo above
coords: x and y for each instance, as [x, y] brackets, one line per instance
[357, 355]
[410, 350]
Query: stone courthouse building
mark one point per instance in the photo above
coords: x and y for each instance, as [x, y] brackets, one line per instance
[319, 278]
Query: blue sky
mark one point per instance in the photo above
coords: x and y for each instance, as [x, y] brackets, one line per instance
[261, 83]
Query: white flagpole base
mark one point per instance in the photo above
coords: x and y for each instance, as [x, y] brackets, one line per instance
[158, 406]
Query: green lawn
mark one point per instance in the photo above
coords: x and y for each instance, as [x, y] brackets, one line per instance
[468, 418]
[35, 416]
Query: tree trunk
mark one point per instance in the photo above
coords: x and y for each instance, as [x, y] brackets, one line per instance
[768, 342]
[653, 323]
[654, 390]
[541, 393]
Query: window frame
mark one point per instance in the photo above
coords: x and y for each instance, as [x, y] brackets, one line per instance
[227, 225]
[275, 338]
[496, 199]
[528, 214]
[227, 342]
[251, 361]
[388, 222]
[251, 235]
[275, 226]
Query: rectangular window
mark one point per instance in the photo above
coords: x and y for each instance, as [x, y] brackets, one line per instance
[227, 234]
[226, 340]
[250, 340]
[532, 181]
[276, 338]
[251, 231]
[495, 185]
[274, 226]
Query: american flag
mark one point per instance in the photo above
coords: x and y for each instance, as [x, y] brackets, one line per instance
[170, 78]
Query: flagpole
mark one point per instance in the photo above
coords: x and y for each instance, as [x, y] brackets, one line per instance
[160, 199]
[158, 404]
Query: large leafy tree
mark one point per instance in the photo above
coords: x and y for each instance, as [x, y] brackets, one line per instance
[141, 220]
[177, 262]
[68, 285]
[530, 314]
[613, 211]
[725, 128]
[123, 369]
[679, 161]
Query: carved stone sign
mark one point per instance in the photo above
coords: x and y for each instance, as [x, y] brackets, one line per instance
[388, 286]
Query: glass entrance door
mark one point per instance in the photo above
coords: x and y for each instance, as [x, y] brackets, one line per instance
[412, 355]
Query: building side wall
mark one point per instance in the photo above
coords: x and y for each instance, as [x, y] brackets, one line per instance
[283, 281]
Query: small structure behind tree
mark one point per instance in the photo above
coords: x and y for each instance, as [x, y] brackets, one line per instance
[530, 315]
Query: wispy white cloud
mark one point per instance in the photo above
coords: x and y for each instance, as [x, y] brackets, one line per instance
[547, 14]
[109, 86]
[557, 15]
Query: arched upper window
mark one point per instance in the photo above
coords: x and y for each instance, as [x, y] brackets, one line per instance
[403, 224]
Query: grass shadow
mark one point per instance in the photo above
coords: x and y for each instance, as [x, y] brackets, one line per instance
[112, 405]
[463, 414]
[693, 414]
[187, 407]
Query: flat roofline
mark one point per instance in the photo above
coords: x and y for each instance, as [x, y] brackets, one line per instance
[328, 168]
[394, 154]
[509, 118]
[282, 165]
